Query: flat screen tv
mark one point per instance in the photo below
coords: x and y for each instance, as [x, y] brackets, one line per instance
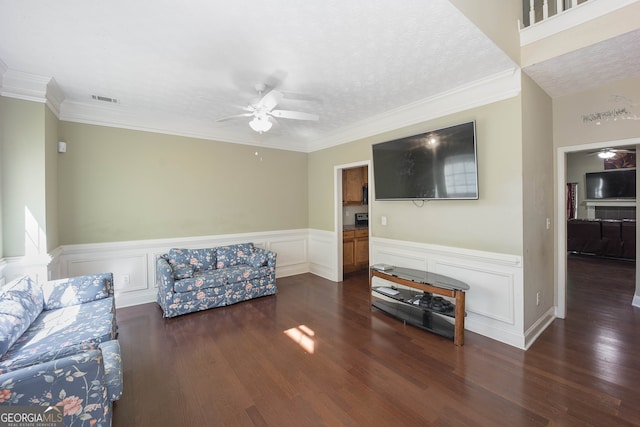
[613, 184]
[435, 165]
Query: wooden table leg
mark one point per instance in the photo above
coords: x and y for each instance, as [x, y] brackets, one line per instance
[370, 287]
[458, 334]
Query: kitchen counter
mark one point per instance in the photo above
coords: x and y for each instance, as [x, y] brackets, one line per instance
[355, 227]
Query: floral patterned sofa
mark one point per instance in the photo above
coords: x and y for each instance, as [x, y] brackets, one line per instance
[198, 279]
[58, 347]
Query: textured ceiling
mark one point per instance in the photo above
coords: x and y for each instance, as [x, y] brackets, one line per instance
[178, 66]
[615, 59]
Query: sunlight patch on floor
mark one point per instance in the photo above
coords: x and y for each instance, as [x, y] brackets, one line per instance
[303, 336]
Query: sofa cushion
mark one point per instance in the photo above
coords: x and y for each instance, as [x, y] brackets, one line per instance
[62, 332]
[182, 272]
[180, 262]
[242, 273]
[76, 290]
[228, 256]
[201, 280]
[257, 259]
[20, 304]
[196, 259]
[205, 258]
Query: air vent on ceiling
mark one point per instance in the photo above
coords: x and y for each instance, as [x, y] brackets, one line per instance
[104, 99]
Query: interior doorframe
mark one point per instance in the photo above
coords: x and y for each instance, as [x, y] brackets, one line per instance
[337, 214]
[561, 217]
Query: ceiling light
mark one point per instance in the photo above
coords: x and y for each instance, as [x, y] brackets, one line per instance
[260, 124]
[608, 154]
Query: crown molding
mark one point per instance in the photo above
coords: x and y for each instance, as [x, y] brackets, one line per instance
[55, 97]
[116, 115]
[498, 87]
[31, 87]
[26, 86]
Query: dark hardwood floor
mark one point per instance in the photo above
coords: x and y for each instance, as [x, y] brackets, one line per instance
[315, 354]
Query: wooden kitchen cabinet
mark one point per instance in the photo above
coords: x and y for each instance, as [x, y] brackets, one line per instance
[355, 250]
[353, 180]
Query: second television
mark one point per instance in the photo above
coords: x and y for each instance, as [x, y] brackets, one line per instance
[436, 165]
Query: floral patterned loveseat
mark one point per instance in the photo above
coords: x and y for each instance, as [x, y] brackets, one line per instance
[58, 347]
[198, 279]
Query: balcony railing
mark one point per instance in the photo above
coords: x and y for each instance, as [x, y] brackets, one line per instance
[539, 10]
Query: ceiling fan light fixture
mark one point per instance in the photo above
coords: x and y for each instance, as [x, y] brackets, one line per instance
[607, 154]
[260, 124]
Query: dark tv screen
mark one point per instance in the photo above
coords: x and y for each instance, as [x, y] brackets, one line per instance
[614, 184]
[435, 165]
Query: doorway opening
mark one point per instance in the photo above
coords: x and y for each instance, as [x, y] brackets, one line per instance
[352, 209]
[561, 214]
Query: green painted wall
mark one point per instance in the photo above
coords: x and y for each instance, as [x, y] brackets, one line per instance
[568, 111]
[51, 178]
[538, 201]
[119, 185]
[492, 223]
[22, 132]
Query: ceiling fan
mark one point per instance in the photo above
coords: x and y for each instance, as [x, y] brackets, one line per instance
[263, 111]
[609, 153]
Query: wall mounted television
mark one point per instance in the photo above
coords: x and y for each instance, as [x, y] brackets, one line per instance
[612, 184]
[435, 165]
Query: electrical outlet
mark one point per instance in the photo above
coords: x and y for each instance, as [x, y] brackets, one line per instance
[548, 223]
[122, 280]
[383, 220]
[537, 298]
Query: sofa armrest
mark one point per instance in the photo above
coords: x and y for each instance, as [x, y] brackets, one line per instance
[77, 290]
[112, 368]
[164, 276]
[271, 256]
[75, 382]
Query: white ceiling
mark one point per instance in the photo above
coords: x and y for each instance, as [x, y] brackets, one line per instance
[611, 60]
[177, 66]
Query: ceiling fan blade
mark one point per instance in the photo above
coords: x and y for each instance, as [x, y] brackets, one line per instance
[297, 115]
[269, 101]
[235, 116]
[613, 150]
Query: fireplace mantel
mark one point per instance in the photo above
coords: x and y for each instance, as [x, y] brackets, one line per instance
[609, 203]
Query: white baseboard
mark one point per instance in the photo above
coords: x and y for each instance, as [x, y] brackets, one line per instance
[538, 327]
[636, 301]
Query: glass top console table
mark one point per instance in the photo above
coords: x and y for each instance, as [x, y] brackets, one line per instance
[414, 302]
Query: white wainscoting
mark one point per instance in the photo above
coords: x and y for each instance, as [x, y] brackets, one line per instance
[32, 266]
[323, 254]
[133, 264]
[494, 302]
